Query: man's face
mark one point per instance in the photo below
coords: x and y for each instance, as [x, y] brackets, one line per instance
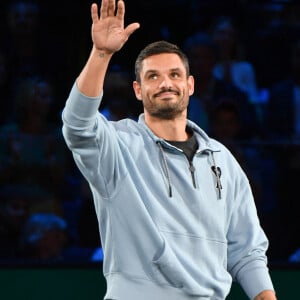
[164, 87]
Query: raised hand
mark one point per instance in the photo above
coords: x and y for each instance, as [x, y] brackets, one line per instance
[108, 32]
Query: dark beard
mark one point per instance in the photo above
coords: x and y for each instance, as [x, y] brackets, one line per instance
[165, 111]
[168, 113]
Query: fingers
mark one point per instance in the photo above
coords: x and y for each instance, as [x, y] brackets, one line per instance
[103, 8]
[111, 7]
[121, 9]
[107, 8]
[94, 12]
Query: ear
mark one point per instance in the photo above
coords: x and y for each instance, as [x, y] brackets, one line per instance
[191, 84]
[137, 90]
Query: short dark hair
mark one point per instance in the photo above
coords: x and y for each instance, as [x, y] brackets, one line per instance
[159, 47]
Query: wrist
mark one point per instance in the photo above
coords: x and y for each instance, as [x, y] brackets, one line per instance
[266, 295]
[102, 53]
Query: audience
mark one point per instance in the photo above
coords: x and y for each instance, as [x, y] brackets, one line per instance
[283, 130]
[43, 238]
[260, 167]
[5, 89]
[231, 64]
[226, 126]
[283, 111]
[30, 141]
[209, 90]
[119, 100]
[14, 210]
[24, 39]
[46, 206]
[18, 202]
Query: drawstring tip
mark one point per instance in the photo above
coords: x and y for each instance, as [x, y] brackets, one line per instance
[170, 192]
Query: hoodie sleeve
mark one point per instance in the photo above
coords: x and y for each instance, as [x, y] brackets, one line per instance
[80, 110]
[92, 140]
[247, 243]
[80, 123]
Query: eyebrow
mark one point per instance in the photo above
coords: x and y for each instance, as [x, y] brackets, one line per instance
[171, 70]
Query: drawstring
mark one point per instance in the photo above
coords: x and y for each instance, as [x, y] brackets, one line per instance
[217, 171]
[166, 167]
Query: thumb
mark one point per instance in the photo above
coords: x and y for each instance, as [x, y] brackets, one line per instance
[131, 28]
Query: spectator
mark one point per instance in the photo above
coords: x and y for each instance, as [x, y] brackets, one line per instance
[31, 147]
[18, 202]
[295, 256]
[43, 238]
[5, 89]
[283, 113]
[14, 210]
[118, 99]
[231, 64]
[209, 90]
[23, 38]
[226, 126]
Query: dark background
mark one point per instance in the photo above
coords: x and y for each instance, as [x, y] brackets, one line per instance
[63, 42]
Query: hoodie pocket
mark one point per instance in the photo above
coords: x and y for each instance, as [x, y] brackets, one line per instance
[167, 270]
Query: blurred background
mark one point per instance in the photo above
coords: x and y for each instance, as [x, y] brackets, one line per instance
[245, 57]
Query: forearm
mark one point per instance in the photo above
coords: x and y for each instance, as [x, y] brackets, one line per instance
[90, 80]
[266, 295]
[109, 36]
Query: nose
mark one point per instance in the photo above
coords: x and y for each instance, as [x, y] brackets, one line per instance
[165, 82]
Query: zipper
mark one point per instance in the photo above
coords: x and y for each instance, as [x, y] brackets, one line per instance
[192, 170]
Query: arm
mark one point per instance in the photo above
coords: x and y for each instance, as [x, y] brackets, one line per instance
[81, 122]
[108, 36]
[266, 295]
[247, 244]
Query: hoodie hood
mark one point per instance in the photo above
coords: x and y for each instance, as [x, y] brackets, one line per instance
[204, 147]
[202, 138]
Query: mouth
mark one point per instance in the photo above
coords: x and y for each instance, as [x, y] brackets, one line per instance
[166, 94]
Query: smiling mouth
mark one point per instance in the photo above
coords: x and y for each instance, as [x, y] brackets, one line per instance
[166, 94]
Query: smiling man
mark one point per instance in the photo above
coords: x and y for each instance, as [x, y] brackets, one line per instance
[176, 213]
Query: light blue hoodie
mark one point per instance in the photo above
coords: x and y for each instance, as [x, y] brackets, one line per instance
[164, 235]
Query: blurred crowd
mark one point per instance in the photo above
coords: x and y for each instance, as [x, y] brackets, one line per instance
[245, 58]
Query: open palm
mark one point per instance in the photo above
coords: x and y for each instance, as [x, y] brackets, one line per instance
[108, 32]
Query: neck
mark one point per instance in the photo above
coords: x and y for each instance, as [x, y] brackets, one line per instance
[171, 130]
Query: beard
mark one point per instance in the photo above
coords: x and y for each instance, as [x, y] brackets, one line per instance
[165, 109]
[166, 113]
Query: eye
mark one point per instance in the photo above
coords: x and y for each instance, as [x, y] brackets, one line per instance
[175, 75]
[153, 76]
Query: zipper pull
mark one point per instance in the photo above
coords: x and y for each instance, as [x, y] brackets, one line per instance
[217, 173]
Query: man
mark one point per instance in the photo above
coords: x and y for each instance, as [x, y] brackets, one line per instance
[176, 214]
